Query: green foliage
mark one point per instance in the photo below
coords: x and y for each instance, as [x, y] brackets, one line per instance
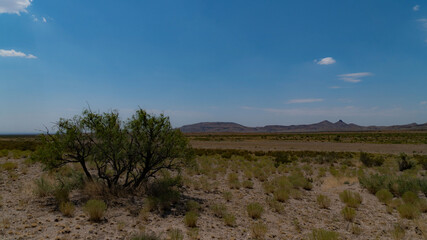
[125, 153]
[43, 187]
[67, 209]
[95, 209]
[410, 197]
[190, 219]
[321, 234]
[384, 196]
[281, 195]
[348, 213]
[421, 160]
[299, 181]
[404, 162]
[233, 181]
[193, 206]
[398, 186]
[323, 201]
[370, 160]
[219, 210]
[351, 199]
[275, 205]
[61, 194]
[423, 186]
[230, 220]
[254, 210]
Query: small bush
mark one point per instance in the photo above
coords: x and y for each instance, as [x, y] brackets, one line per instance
[67, 209]
[410, 197]
[95, 209]
[281, 195]
[423, 186]
[233, 181]
[321, 234]
[259, 230]
[403, 184]
[275, 205]
[61, 195]
[43, 187]
[398, 232]
[351, 199]
[370, 160]
[421, 160]
[348, 213]
[408, 211]
[384, 196]
[190, 219]
[323, 201]
[404, 162]
[248, 184]
[373, 183]
[227, 196]
[219, 210]
[193, 206]
[254, 210]
[230, 220]
[163, 193]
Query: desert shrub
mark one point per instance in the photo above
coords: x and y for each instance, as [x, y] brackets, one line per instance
[398, 232]
[351, 199]
[402, 184]
[254, 210]
[259, 230]
[396, 203]
[233, 181]
[260, 174]
[9, 166]
[175, 234]
[227, 196]
[423, 186]
[146, 236]
[422, 205]
[408, 211]
[321, 234]
[323, 201]
[219, 210]
[67, 209]
[230, 220]
[190, 219]
[281, 158]
[61, 194]
[164, 192]
[95, 209]
[299, 181]
[348, 213]
[410, 197]
[404, 162]
[124, 153]
[371, 160]
[384, 196]
[248, 184]
[374, 182]
[43, 187]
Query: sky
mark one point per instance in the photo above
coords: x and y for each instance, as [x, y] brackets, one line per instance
[252, 62]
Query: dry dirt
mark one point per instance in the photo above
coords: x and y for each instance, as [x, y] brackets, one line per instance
[277, 145]
[26, 216]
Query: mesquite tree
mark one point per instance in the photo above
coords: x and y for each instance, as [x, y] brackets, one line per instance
[124, 153]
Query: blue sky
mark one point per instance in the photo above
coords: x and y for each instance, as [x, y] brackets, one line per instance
[251, 62]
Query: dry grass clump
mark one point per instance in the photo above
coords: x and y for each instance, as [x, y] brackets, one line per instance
[408, 210]
[281, 195]
[192, 205]
[95, 209]
[9, 166]
[190, 219]
[230, 220]
[410, 197]
[275, 205]
[321, 234]
[175, 234]
[323, 201]
[255, 210]
[146, 236]
[233, 181]
[67, 209]
[384, 196]
[398, 232]
[248, 184]
[351, 199]
[43, 187]
[348, 213]
[219, 210]
[227, 196]
[259, 230]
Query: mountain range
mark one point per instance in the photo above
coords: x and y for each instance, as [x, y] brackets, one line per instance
[324, 126]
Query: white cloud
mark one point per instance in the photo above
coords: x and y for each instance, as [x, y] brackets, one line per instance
[423, 102]
[416, 8]
[14, 6]
[335, 87]
[44, 19]
[325, 61]
[305, 100]
[354, 77]
[13, 53]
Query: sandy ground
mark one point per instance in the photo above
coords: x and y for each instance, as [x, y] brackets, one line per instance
[275, 145]
[26, 216]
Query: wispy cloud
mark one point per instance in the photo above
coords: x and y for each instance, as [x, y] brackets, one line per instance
[354, 77]
[325, 61]
[305, 100]
[14, 6]
[335, 87]
[423, 102]
[416, 8]
[13, 53]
